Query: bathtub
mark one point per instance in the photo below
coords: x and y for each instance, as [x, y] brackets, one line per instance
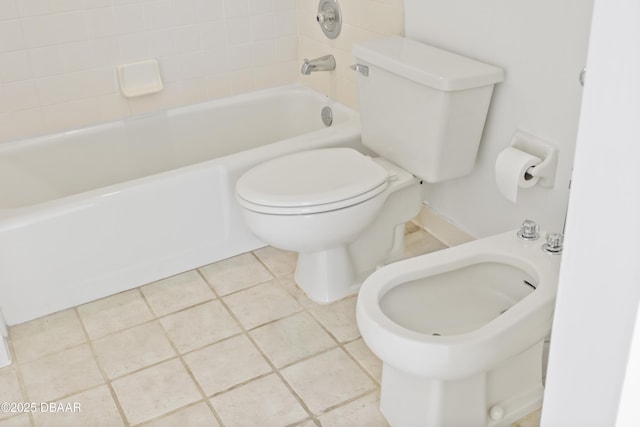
[90, 212]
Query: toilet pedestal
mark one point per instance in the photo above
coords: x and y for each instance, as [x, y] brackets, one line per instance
[492, 399]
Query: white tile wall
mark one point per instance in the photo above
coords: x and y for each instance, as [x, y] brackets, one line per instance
[362, 20]
[58, 58]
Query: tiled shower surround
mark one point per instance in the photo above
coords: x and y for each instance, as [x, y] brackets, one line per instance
[234, 343]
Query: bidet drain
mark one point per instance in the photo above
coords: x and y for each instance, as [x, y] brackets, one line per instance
[435, 334]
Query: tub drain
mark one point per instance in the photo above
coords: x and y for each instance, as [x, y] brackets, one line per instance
[327, 116]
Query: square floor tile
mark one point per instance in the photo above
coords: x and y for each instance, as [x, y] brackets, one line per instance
[278, 261]
[420, 242]
[47, 335]
[263, 402]
[327, 380]
[367, 359]
[361, 412]
[9, 389]
[132, 349]
[155, 391]
[96, 408]
[261, 304]
[16, 421]
[177, 292]
[234, 274]
[60, 374]
[199, 326]
[225, 364]
[198, 415]
[289, 283]
[339, 318]
[114, 313]
[293, 338]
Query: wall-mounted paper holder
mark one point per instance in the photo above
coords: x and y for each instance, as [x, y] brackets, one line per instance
[546, 170]
[140, 78]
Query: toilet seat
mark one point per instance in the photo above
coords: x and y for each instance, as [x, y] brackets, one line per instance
[311, 181]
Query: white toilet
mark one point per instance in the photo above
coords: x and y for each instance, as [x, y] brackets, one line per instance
[461, 331]
[422, 110]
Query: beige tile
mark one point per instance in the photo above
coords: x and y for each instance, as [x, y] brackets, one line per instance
[531, 420]
[366, 358]
[155, 391]
[261, 304]
[95, 408]
[114, 313]
[16, 421]
[235, 273]
[278, 261]
[194, 415]
[199, 326]
[47, 335]
[293, 338]
[327, 380]
[420, 242]
[9, 389]
[61, 374]
[177, 292]
[225, 364]
[263, 402]
[292, 287]
[339, 318]
[361, 412]
[132, 349]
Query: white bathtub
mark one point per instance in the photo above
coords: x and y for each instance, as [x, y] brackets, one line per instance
[95, 211]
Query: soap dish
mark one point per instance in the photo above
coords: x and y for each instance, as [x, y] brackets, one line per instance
[139, 78]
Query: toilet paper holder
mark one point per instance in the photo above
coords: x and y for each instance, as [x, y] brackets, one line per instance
[545, 170]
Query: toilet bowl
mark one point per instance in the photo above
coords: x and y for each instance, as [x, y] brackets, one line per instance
[460, 332]
[320, 214]
[422, 110]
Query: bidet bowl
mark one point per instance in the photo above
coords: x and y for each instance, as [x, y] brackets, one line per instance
[442, 315]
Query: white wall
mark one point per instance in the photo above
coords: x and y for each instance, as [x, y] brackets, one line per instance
[599, 289]
[58, 58]
[541, 45]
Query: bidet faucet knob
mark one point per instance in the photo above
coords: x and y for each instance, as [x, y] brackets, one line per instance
[529, 230]
[554, 243]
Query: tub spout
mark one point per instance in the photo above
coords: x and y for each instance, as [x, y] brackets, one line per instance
[324, 63]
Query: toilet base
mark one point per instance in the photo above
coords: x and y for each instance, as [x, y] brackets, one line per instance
[490, 399]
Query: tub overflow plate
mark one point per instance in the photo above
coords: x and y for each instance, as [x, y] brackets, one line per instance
[327, 116]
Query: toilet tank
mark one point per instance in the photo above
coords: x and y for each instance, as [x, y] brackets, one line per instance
[423, 108]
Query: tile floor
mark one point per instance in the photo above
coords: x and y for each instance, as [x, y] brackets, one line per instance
[234, 343]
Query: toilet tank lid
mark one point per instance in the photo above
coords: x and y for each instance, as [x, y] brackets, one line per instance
[427, 65]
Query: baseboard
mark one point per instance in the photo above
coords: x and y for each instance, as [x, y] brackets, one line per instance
[441, 228]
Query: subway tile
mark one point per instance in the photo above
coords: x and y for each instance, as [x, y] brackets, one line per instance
[262, 27]
[263, 52]
[213, 36]
[157, 14]
[184, 12]
[240, 57]
[77, 85]
[285, 24]
[129, 18]
[187, 39]
[238, 31]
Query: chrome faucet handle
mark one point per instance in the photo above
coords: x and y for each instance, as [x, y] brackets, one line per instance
[529, 230]
[362, 69]
[554, 243]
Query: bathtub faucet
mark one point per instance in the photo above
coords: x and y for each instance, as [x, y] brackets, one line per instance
[324, 63]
